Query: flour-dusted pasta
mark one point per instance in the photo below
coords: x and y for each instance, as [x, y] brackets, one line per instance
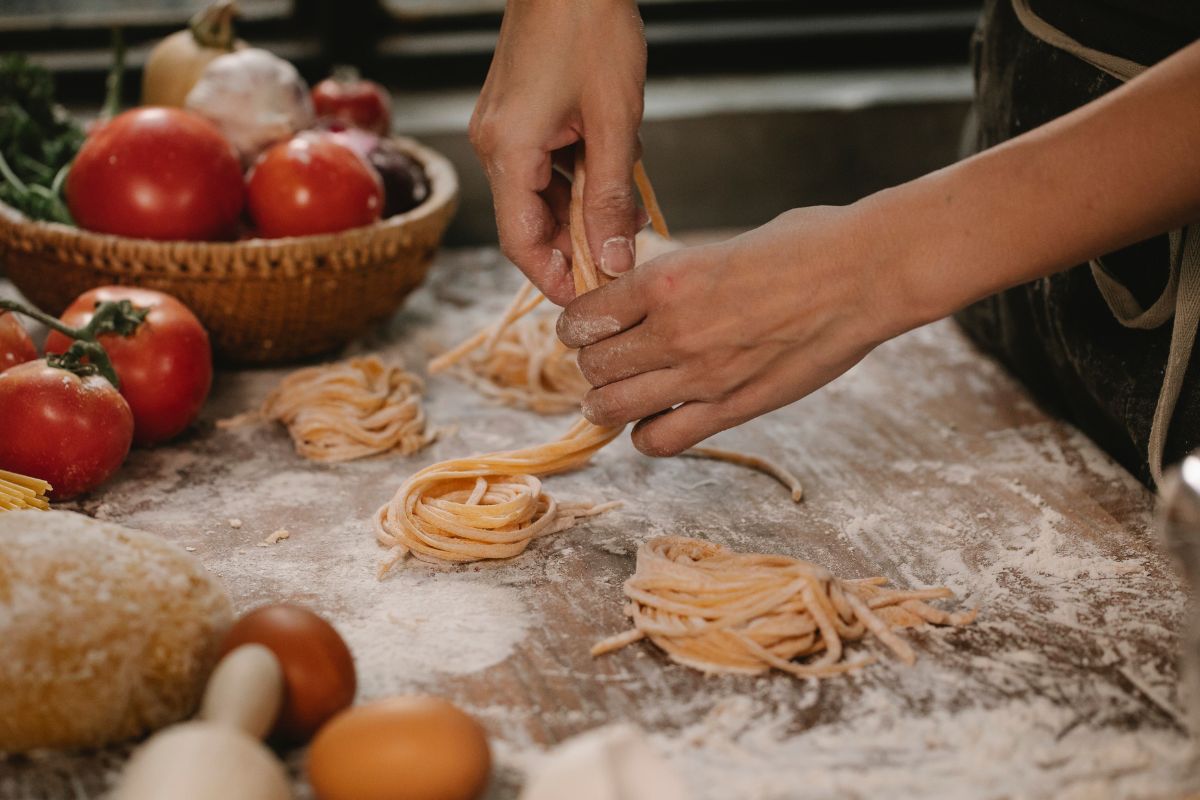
[720, 611]
[347, 410]
[519, 361]
[758, 463]
[489, 506]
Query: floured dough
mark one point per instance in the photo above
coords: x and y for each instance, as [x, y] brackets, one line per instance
[106, 632]
[615, 762]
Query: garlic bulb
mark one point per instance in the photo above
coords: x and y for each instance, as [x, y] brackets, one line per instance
[254, 97]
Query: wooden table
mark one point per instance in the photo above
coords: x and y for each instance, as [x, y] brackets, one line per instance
[925, 464]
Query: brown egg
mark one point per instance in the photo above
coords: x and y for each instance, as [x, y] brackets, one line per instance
[318, 670]
[403, 748]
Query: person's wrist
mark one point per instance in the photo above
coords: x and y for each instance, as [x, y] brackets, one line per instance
[906, 282]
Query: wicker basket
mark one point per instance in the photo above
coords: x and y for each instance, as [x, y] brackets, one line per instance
[263, 300]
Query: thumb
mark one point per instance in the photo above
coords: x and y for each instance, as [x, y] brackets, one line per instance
[609, 204]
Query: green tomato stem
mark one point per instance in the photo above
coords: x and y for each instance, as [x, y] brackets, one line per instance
[120, 317]
[45, 319]
[86, 358]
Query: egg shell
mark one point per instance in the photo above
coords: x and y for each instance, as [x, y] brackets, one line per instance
[318, 670]
[402, 748]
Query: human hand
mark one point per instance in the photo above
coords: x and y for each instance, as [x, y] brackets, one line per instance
[563, 72]
[702, 339]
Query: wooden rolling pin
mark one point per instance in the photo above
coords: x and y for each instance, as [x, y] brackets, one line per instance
[219, 756]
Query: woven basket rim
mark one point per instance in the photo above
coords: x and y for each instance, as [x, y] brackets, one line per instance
[443, 180]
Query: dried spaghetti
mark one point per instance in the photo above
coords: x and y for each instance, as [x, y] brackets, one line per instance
[21, 491]
[719, 611]
[348, 410]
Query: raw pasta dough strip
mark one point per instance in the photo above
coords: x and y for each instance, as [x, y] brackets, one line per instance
[520, 305]
[765, 466]
[348, 410]
[719, 611]
[519, 361]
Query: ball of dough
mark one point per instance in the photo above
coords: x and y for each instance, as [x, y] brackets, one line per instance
[106, 632]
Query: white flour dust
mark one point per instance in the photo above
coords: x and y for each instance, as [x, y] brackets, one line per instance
[745, 750]
[413, 629]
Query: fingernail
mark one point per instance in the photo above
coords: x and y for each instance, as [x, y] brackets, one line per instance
[558, 261]
[616, 256]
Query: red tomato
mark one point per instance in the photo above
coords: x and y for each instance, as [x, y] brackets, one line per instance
[15, 345]
[157, 173]
[356, 102]
[312, 184]
[165, 367]
[73, 432]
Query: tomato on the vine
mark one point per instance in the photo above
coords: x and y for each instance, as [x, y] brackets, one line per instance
[165, 366]
[157, 173]
[349, 99]
[73, 432]
[312, 184]
[15, 345]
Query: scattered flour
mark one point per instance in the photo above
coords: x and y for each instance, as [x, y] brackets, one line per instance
[744, 749]
[413, 630]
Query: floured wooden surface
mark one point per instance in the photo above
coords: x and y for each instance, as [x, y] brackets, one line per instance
[925, 464]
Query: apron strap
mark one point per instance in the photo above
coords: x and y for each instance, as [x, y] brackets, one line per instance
[1120, 68]
[1183, 337]
[1125, 307]
[1180, 299]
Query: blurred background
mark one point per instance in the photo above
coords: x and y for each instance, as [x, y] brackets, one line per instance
[752, 106]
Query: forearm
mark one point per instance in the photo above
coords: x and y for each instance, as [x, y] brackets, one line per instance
[1109, 174]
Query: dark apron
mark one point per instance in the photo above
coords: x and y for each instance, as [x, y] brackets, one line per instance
[1106, 345]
